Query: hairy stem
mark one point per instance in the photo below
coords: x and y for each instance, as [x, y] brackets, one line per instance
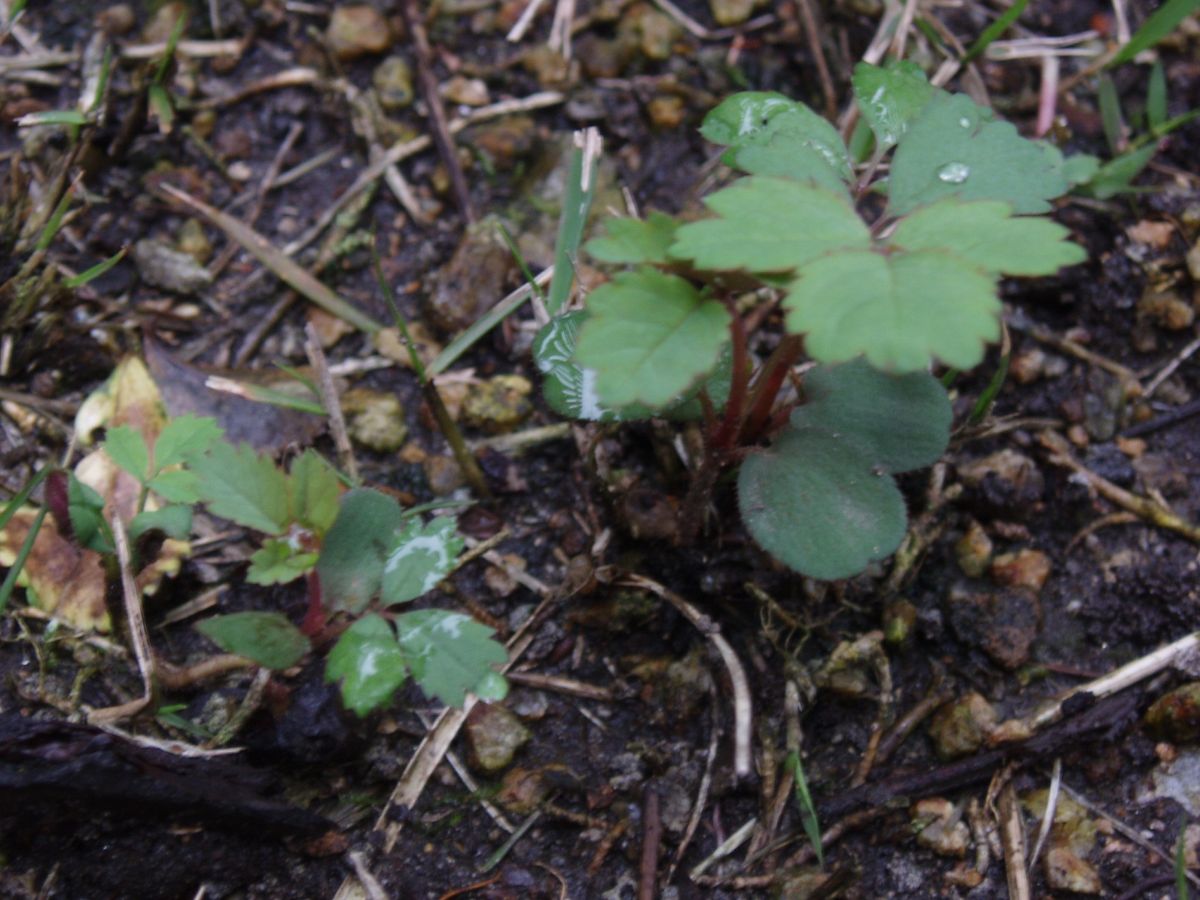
[766, 387]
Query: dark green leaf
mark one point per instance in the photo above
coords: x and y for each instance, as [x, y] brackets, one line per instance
[177, 486]
[278, 562]
[175, 521]
[85, 507]
[239, 485]
[125, 447]
[419, 558]
[353, 554]
[313, 490]
[183, 439]
[953, 148]
[635, 240]
[268, 638]
[369, 663]
[449, 653]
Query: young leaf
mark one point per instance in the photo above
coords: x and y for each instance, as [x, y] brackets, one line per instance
[352, 556]
[812, 502]
[900, 311]
[183, 439]
[770, 225]
[650, 337]
[177, 486]
[954, 148]
[1116, 176]
[449, 653]
[278, 562]
[890, 98]
[570, 389]
[420, 557]
[797, 144]
[739, 117]
[635, 240]
[175, 521]
[984, 233]
[85, 507]
[125, 447]
[239, 485]
[369, 663]
[313, 492]
[268, 638]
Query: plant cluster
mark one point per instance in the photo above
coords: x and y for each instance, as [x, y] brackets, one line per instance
[354, 548]
[875, 301]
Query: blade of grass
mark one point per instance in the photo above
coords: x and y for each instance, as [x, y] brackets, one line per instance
[96, 271]
[808, 810]
[18, 500]
[169, 54]
[53, 117]
[10, 580]
[1160, 24]
[287, 271]
[262, 394]
[521, 264]
[1156, 98]
[577, 203]
[993, 31]
[1110, 114]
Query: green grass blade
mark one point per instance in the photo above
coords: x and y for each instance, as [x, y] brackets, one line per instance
[1155, 28]
[1110, 114]
[95, 271]
[10, 581]
[994, 30]
[577, 203]
[984, 404]
[385, 288]
[53, 117]
[481, 326]
[18, 500]
[808, 810]
[1156, 98]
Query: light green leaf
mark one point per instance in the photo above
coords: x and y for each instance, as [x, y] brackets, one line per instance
[85, 507]
[177, 486]
[953, 149]
[900, 311]
[239, 485]
[1116, 176]
[420, 557]
[353, 554]
[175, 521]
[268, 638]
[125, 447]
[635, 240]
[1080, 168]
[902, 422]
[313, 491]
[449, 653]
[984, 233]
[796, 144]
[650, 337]
[369, 663]
[278, 562]
[770, 225]
[812, 502]
[183, 439]
[53, 117]
[890, 98]
[737, 118]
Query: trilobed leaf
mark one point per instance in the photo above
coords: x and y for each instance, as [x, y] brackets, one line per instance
[890, 97]
[649, 337]
[449, 653]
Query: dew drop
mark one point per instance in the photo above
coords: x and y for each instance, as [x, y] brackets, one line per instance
[964, 122]
[954, 173]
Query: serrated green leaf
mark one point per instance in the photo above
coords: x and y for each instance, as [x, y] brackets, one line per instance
[125, 447]
[278, 562]
[953, 149]
[812, 502]
[739, 117]
[239, 485]
[1116, 176]
[177, 486]
[85, 507]
[650, 337]
[184, 438]
[313, 491]
[635, 240]
[419, 558]
[900, 311]
[369, 664]
[770, 225]
[175, 521]
[268, 638]
[798, 144]
[353, 554]
[889, 98]
[902, 422]
[1080, 168]
[984, 233]
[449, 653]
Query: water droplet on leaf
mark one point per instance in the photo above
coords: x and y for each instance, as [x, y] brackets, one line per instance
[954, 173]
[964, 122]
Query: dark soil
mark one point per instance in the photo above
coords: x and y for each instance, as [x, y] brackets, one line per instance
[89, 814]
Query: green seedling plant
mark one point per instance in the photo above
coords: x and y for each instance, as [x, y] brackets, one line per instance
[879, 278]
[361, 553]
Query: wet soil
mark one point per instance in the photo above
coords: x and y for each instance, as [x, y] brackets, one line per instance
[609, 771]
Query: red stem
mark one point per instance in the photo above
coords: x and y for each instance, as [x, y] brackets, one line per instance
[735, 407]
[766, 387]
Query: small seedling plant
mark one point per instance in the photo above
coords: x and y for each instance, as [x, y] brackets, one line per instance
[361, 553]
[953, 198]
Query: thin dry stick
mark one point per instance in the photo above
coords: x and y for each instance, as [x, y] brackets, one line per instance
[1012, 837]
[812, 32]
[714, 741]
[526, 19]
[329, 399]
[1169, 369]
[560, 27]
[742, 705]
[437, 112]
[1048, 816]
